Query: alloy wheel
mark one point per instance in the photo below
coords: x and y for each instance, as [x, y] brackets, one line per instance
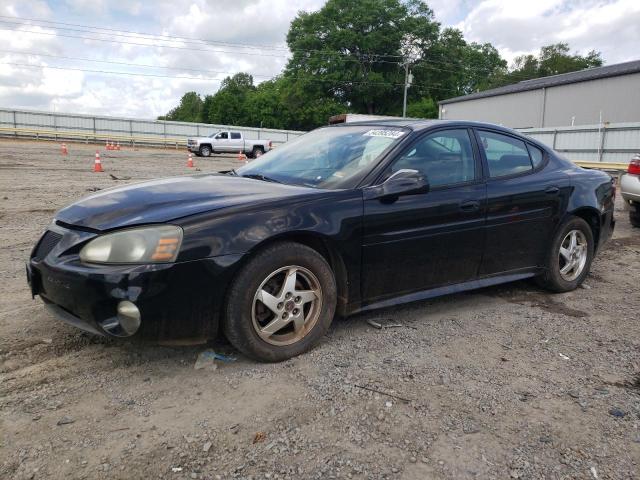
[286, 305]
[572, 256]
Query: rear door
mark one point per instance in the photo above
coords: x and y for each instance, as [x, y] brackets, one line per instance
[427, 240]
[524, 202]
[236, 143]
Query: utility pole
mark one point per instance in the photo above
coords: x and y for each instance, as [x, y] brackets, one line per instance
[408, 79]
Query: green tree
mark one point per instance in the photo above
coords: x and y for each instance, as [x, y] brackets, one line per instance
[228, 105]
[189, 109]
[453, 67]
[351, 52]
[426, 107]
[551, 60]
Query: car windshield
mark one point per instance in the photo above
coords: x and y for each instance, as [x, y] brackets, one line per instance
[330, 157]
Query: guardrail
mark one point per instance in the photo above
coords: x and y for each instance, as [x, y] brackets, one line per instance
[88, 137]
[607, 166]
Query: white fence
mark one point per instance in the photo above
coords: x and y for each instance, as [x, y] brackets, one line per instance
[611, 143]
[90, 128]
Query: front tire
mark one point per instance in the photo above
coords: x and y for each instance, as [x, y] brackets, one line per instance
[570, 258]
[205, 151]
[281, 303]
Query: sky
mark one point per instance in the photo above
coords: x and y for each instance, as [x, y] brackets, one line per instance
[244, 35]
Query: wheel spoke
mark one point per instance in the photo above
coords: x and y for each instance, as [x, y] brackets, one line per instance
[286, 305]
[306, 296]
[273, 326]
[567, 268]
[566, 254]
[268, 300]
[298, 322]
[289, 284]
[573, 241]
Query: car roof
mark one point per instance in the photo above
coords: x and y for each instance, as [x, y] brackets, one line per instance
[418, 124]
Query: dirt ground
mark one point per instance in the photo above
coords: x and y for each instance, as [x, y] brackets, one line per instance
[504, 382]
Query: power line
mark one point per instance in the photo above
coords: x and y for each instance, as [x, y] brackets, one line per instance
[64, 57]
[177, 39]
[169, 38]
[349, 57]
[144, 34]
[136, 43]
[434, 86]
[179, 77]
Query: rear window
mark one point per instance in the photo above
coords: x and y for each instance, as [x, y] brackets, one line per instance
[505, 155]
[235, 135]
[536, 156]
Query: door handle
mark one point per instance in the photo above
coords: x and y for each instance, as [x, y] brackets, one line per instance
[470, 206]
[552, 190]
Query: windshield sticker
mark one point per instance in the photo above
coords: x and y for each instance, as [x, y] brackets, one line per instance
[384, 133]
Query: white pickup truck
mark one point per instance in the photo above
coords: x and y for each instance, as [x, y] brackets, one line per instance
[228, 141]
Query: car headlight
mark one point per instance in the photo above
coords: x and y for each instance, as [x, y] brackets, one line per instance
[159, 244]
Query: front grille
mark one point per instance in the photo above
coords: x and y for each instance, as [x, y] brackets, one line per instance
[45, 245]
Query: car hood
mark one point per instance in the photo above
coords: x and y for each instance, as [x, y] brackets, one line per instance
[167, 199]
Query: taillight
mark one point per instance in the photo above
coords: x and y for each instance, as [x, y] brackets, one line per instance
[270, 144]
[634, 166]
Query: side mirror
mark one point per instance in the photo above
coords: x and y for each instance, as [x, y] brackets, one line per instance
[403, 182]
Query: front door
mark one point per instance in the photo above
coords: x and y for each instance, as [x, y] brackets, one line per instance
[222, 142]
[427, 240]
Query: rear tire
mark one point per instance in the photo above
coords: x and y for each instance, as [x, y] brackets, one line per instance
[569, 258]
[257, 152]
[281, 303]
[634, 214]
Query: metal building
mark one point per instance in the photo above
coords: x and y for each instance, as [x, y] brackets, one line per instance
[609, 94]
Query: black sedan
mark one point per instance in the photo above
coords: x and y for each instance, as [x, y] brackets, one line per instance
[343, 219]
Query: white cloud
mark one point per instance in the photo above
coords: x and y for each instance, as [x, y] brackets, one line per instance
[521, 27]
[36, 8]
[514, 27]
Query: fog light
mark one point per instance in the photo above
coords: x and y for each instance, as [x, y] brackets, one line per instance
[129, 317]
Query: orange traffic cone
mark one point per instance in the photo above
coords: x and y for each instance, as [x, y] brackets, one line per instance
[63, 149]
[190, 161]
[107, 146]
[240, 156]
[118, 146]
[97, 165]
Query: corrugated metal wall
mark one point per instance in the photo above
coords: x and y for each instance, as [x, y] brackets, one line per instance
[615, 143]
[89, 127]
[521, 110]
[612, 99]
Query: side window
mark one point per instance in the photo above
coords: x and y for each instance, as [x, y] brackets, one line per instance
[444, 157]
[235, 135]
[536, 155]
[222, 136]
[505, 155]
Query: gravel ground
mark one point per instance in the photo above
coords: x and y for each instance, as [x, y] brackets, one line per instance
[504, 382]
